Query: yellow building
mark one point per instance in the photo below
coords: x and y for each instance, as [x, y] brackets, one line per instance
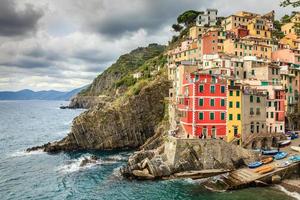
[234, 112]
[233, 21]
[290, 40]
[196, 31]
[258, 27]
[289, 28]
[247, 47]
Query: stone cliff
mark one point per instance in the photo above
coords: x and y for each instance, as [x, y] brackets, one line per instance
[124, 123]
[174, 156]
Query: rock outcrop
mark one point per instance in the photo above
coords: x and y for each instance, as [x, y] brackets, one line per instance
[185, 155]
[124, 123]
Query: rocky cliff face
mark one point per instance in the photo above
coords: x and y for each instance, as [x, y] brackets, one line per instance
[175, 156]
[124, 123]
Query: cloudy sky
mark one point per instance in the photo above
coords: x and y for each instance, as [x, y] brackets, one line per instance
[64, 44]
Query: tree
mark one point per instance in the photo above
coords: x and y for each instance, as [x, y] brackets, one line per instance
[285, 19]
[177, 27]
[188, 17]
[294, 3]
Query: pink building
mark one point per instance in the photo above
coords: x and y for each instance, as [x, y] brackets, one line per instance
[286, 56]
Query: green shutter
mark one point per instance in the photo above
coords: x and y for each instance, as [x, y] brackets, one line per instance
[222, 102]
[237, 104]
[212, 116]
[200, 102]
[222, 116]
[230, 104]
[230, 116]
[200, 115]
[238, 116]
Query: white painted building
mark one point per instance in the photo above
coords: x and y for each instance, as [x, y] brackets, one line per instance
[207, 18]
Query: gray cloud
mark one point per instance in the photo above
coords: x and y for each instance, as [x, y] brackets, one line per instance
[15, 22]
[76, 40]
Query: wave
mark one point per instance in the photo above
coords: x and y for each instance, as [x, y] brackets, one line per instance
[22, 153]
[117, 158]
[74, 165]
[295, 195]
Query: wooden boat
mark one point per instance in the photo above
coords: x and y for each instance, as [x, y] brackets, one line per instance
[283, 164]
[270, 152]
[280, 155]
[264, 169]
[255, 164]
[284, 143]
[295, 148]
[267, 160]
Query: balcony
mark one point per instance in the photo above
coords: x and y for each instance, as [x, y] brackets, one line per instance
[235, 87]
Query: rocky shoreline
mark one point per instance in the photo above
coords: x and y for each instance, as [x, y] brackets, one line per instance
[178, 156]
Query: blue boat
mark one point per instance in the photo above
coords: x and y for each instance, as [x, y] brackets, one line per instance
[280, 155]
[255, 164]
[295, 158]
[270, 152]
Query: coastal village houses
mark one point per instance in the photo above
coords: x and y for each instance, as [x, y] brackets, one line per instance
[233, 80]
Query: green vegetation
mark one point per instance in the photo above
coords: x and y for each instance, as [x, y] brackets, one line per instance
[188, 17]
[120, 73]
[127, 81]
[277, 33]
[294, 3]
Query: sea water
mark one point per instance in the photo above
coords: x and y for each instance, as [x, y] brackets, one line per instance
[38, 175]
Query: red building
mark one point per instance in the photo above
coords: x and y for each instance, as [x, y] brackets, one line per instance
[210, 42]
[241, 31]
[203, 105]
[279, 105]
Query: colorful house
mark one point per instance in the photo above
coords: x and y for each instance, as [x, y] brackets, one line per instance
[234, 112]
[203, 106]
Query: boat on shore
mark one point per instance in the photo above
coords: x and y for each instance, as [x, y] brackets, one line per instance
[283, 164]
[295, 158]
[255, 164]
[284, 143]
[270, 152]
[295, 148]
[264, 169]
[267, 160]
[280, 155]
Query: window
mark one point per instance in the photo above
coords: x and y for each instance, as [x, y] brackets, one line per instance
[212, 102]
[251, 99]
[237, 93]
[257, 111]
[237, 104]
[222, 102]
[270, 104]
[201, 117]
[200, 102]
[212, 89]
[230, 104]
[238, 116]
[231, 93]
[267, 114]
[212, 116]
[222, 89]
[257, 99]
[230, 116]
[201, 88]
[253, 72]
[251, 111]
[222, 116]
[252, 127]
[272, 115]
